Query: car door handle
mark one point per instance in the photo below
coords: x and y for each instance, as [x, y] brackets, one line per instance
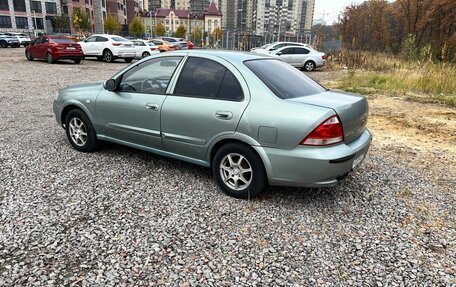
[224, 115]
[153, 107]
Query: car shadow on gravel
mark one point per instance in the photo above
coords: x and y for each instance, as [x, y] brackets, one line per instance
[327, 195]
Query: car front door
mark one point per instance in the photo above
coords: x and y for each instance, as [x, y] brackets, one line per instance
[34, 49]
[208, 100]
[286, 55]
[131, 113]
[87, 46]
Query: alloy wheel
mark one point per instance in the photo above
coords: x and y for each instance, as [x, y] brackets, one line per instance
[78, 132]
[309, 66]
[236, 171]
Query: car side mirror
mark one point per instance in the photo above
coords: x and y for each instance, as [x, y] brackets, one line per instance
[110, 85]
[279, 53]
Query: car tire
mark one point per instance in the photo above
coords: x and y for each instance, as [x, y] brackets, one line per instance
[80, 131]
[3, 44]
[145, 54]
[28, 55]
[77, 61]
[108, 57]
[309, 66]
[239, 171]
[49, 58]
[128, 60]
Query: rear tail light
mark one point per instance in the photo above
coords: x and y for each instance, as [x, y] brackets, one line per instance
[327, 133]
[152, 49]
[323, 57]
[116, 44]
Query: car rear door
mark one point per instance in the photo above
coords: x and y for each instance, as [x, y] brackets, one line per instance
[207, 102]
[300, 56]
[132, 112]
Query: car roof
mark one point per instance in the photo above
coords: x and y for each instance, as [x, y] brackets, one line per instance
[230, 56]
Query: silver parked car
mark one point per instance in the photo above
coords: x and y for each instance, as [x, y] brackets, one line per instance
[304, 58]
[252, 119]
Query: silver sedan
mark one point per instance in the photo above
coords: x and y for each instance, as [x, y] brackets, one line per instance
[254, 120]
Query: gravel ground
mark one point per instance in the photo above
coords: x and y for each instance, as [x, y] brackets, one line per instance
[124, 217]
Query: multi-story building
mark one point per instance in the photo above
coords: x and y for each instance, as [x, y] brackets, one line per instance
[87, 5]
[281, 18]
[209, 20]
[28, 16]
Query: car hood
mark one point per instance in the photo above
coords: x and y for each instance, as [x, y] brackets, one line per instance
[81, 91]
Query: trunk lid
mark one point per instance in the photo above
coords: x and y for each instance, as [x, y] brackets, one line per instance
[352, 110]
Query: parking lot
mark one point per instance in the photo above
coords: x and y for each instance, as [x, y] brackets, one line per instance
[125, 217]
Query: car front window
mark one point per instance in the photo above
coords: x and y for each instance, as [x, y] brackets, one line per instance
[286, 82]
[151, 77]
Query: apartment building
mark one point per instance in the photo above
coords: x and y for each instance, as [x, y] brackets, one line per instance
[87, 5]
[28, 16]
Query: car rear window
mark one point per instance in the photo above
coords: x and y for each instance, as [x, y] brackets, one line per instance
[62, 40]
[283, 79]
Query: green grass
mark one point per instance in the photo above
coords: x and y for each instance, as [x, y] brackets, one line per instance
[419, 81]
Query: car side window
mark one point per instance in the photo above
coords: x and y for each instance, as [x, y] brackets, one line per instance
[101, 39]
[151, 77]
[204, 78]
[230, 89]
[200, 78]
[91, 39]
[138, 43]
[38, 41]
[287, 51]
[157, 42]
[301, 51]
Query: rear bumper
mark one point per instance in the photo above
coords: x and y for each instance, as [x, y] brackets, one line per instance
[306, 166]
[124, 53]
[68, 55]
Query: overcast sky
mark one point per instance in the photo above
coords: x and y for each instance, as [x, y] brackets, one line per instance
[331, 9]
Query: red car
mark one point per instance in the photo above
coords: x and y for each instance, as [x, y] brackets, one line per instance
[53, 49]
[189, 43]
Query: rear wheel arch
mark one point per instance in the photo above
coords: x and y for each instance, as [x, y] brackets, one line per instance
[305, 64]
[245, 175]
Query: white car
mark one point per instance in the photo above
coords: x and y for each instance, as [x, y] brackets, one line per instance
[108, 48]
[144, 48]
[301, 57]
[23, 39]
[267, 49]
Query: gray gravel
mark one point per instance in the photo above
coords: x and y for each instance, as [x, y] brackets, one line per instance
[128, 218]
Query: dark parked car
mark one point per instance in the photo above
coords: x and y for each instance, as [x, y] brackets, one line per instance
[53, 49]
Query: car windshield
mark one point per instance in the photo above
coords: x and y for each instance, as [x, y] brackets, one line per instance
[63, 40]
[119, 39]
[285, 81]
